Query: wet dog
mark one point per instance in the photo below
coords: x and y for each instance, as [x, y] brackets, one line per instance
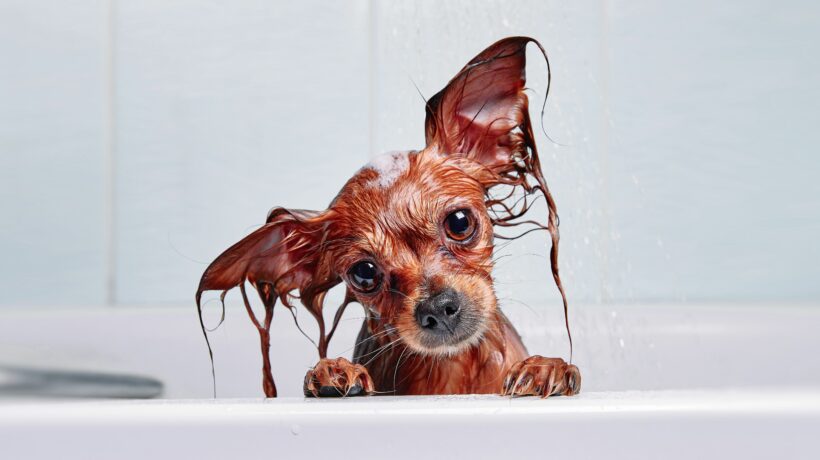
[411, 235]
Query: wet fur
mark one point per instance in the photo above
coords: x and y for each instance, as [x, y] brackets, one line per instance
[479, 139]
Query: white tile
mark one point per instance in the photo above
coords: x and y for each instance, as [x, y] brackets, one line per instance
[713, 187]
[225, 111]
[52, 152]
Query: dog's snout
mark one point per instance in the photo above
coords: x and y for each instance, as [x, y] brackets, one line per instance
[439, 312]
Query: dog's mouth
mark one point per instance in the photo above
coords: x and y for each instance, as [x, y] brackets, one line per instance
[448, 346]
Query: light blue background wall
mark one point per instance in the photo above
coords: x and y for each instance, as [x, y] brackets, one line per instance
[140, 138]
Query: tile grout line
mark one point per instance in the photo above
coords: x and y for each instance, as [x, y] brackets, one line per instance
[110, 157]
[371, 76]
[606, 288]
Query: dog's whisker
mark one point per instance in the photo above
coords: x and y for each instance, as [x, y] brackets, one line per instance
[368, 339]
[398, 364]
[382, 350]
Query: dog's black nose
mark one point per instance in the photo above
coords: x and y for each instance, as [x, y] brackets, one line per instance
[440, 312]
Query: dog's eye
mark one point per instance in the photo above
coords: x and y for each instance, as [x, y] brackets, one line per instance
[365, 276]
[459, 225]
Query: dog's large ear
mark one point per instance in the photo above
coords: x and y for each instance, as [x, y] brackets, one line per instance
[278, 259]
[482, 114]
[281, 254]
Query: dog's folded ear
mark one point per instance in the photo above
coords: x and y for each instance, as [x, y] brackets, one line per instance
[482, 112]
[282, 255]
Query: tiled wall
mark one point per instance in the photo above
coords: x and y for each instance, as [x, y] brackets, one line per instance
[222, 113]
[53, 152]
[140, 138]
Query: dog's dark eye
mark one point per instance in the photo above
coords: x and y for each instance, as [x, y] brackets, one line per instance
[459, 225]
[365, 276]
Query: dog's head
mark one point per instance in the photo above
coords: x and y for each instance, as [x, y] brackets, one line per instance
[411, 234]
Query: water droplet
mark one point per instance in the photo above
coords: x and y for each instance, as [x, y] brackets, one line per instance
[295, 429]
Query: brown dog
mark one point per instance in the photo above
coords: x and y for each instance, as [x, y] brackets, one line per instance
[411, 234]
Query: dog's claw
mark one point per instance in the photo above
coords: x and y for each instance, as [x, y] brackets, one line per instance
[540, 376]
[337, 377]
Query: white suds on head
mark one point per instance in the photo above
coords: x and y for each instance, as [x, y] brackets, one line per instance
[389, 166]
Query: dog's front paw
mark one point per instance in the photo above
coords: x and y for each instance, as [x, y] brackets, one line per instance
[540, 376]
[337, 377]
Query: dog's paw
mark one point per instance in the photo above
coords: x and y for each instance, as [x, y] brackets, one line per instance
[539, 376]
[337, 377]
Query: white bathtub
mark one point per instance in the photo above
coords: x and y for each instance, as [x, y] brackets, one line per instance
[660, 381]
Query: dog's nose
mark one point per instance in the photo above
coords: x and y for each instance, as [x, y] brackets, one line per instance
[440, 312]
